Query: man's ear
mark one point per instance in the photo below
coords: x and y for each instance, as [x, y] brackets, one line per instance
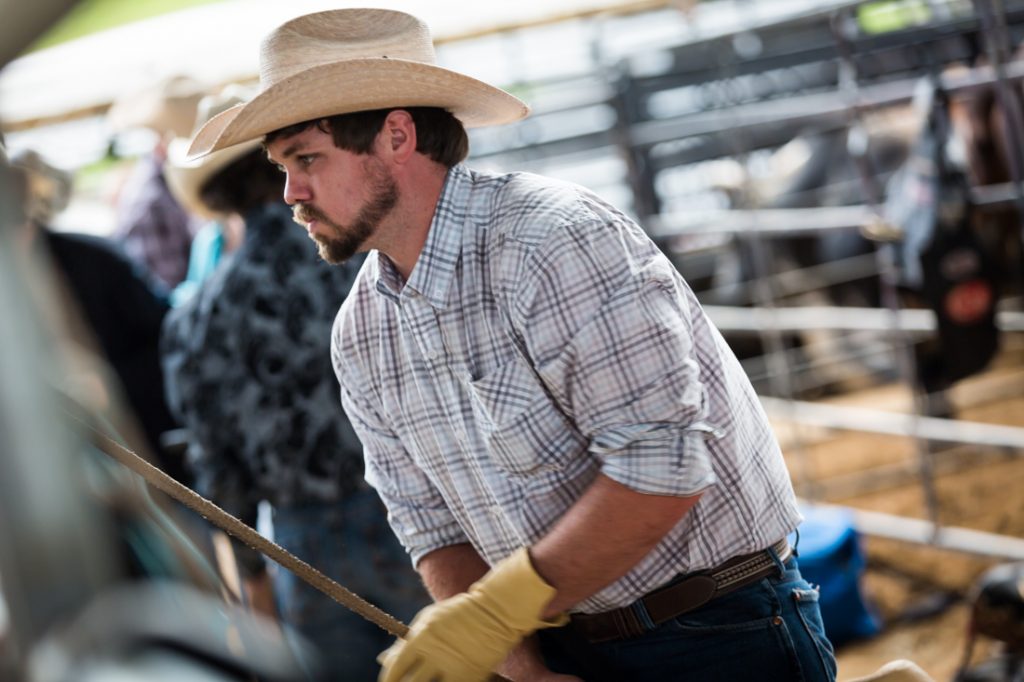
[399, 135]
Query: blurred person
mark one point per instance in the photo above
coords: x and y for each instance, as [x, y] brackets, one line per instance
[144, 599]
[220, 234]
[122, 305]
[154, 228]
[247, 360]
[565, 443]
[212, 242]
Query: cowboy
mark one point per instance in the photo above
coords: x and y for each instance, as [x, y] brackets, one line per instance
[568, 450]
[247, 362]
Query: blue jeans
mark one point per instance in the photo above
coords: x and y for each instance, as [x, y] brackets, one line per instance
[769, 630]
[352, 543]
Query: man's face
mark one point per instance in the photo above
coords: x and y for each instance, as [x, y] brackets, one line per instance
[340, 197]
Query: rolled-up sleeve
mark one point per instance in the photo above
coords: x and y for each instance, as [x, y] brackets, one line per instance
[612, 339]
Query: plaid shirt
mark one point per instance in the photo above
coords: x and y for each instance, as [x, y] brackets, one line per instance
[542, 338]
[152, 226]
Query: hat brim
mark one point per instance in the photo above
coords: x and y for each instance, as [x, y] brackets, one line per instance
[358, 85]
[168, 107]
[186, 176]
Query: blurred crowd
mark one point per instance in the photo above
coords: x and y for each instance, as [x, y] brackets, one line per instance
[213, 311]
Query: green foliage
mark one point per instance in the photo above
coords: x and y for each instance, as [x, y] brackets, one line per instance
[892, 15]
[91, 16]
[92, 176]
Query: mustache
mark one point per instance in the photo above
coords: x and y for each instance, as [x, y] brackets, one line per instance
[304, 214]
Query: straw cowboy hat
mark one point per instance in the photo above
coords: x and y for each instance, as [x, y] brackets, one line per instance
[348, 60]
[167, 107]
[186, 176]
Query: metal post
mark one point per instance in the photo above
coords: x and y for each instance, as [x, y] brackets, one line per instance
[888, 271]
[992, 16]
[763, 291]
[646, 202]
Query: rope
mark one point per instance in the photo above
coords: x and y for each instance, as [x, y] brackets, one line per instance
[228, 523]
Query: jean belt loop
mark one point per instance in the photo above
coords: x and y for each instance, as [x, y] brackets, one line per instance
[778, 562]
[640, 610]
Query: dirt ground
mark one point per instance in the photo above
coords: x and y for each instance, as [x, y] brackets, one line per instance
[919, 590]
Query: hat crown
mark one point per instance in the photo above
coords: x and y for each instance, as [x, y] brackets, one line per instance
[342, 61]
[209, 106]
[167, 106]
[342, 35]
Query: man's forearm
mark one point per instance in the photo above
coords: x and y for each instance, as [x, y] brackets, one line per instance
[451, 570]
[602, 536]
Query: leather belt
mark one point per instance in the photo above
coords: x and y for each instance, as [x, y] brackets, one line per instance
[680, 596]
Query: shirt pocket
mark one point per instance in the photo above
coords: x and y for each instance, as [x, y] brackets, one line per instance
[526, 432]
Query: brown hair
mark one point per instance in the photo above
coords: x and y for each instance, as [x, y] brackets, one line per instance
[439, 135]
[247, 183]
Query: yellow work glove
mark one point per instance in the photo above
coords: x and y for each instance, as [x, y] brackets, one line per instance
[463, 638]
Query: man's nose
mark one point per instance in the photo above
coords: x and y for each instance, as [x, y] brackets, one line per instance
[295, 190]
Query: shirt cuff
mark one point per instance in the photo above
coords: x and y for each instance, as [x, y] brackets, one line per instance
[421, 543]
[659, 461]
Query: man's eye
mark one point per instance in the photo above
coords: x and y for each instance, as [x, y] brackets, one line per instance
[305, 159]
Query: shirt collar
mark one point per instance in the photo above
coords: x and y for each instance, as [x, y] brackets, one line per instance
[435, 268]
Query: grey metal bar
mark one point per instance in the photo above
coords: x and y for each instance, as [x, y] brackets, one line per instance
[895, 424]
[919, 531]
[775, 221]
[733, 319]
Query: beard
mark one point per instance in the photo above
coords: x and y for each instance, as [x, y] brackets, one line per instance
[346, 241]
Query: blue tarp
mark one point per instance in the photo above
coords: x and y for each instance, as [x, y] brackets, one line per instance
[831, 555]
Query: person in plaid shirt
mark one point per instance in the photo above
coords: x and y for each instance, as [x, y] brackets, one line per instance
[152, 227]
[248, 372]
[568, 450]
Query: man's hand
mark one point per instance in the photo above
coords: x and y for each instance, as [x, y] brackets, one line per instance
[465, 637]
